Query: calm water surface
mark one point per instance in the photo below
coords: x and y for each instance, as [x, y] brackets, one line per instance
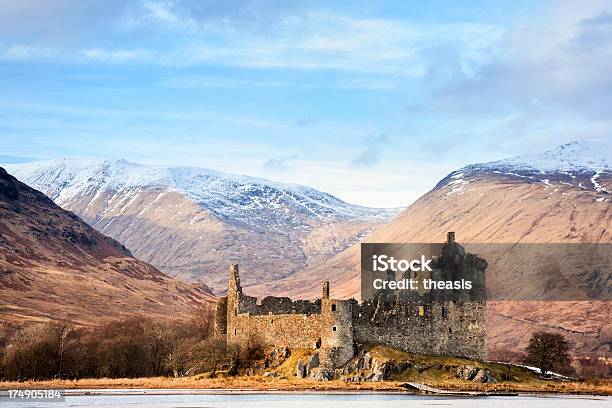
[160, 398]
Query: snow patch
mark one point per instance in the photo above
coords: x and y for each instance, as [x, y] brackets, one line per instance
[598, 187]
[569, 158]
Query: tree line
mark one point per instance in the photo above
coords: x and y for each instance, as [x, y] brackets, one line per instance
[136, 347]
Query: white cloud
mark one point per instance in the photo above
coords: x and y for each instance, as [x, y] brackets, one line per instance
[169, 33]
[316, 41]
[278, 164]
[162, 12]
[222, 82]
[158, 14]
[23, 53]
[370, 156]
[556, 63]
[349, 83]
[117, 56]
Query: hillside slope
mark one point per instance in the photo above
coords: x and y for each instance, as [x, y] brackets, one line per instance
[559, 196]
[53, 266]
[191, 222]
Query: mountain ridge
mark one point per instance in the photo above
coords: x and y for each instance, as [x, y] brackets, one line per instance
[191, 222]
[578, 161]
[200, 184]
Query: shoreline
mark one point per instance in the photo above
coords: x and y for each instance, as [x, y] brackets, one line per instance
[213, 391]
[258, 385]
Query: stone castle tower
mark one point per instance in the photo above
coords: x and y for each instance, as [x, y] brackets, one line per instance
[336, 329]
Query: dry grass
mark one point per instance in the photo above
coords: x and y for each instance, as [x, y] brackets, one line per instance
[237, 383]
[294, 384]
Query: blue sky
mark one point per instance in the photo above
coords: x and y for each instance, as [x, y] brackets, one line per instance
[371, 101]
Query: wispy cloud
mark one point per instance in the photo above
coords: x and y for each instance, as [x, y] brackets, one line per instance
[23, 52]
[181, 34]
[165, 15]
[117, 55]
[367, 84]
[223, 82]
[317, 41]
[191, 116]
[353, 83]
[278, 164]
[370, 156]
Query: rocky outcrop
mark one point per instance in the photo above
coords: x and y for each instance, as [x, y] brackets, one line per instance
[300, 369]
[475, 374]
[377, 364]
[365, 362]
[322, 374]
[313, 362]
[277, 356]
[368, 368]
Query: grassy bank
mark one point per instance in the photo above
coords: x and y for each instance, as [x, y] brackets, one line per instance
[258, 382]
[260, 372]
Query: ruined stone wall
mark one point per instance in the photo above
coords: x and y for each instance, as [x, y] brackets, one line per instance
[444, 328]
[431, 322]
[290, 330]
[275, 321]
[278, 306]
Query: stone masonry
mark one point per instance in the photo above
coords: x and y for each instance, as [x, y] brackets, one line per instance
[415, 324]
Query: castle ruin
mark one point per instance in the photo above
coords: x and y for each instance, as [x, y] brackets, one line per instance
[418, 324]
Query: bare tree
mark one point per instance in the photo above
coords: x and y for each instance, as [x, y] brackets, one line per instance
[61, 331]
[204, 320]
[159, 343]
[547, 351]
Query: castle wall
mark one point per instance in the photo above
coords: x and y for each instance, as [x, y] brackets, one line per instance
[276, 321]
[458, 330]
[290, 330]
[278, 306]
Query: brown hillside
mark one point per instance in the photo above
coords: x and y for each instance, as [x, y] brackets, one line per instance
[53, 266]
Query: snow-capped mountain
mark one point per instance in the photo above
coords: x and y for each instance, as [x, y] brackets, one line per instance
[238, 199]
[192, 222]
[582, 164]
[572, 157]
